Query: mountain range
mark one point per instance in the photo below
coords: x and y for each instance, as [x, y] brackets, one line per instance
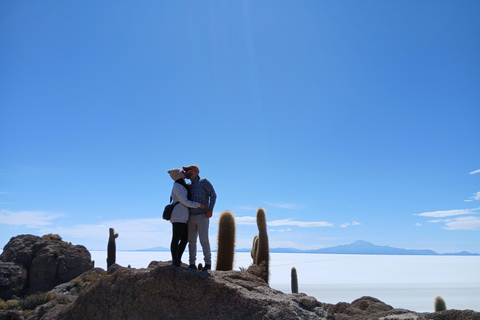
[357, 247]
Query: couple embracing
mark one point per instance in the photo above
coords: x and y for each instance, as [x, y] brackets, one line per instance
[191, 216]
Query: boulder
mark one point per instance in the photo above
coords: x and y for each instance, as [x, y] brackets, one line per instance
[45, 263]
[22, 249]
[12, 280]
[168, 292]
[369, 308]
[55, 264]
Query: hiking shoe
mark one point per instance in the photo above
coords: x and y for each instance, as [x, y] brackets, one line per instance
[176, 263]
[192, 266]
[207, 267]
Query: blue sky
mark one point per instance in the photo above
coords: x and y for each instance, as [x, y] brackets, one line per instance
[345, 120]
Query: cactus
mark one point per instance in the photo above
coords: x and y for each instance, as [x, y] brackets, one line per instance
[200, 266]
[111, 248]
[254, 250]
[263, 251]
[226, 241]
[294, 280]
[440, 304]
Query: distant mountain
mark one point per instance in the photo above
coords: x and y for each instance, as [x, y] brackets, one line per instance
[155, 249]
[358, 247]
[364, 247]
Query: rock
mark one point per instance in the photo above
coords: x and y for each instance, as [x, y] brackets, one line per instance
[12, 280]
[22, 249]
[47, 262]
[454, 314]
[368, 308]
[168, 292]
[11, 315]
[55, 264]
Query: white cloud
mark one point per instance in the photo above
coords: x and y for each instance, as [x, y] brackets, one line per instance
[133, 234]
[447, 213]
[353, 223]
[476, 171]
[247, 208]
[245, 220]
[288, 206]
[302, 224]
[463, 223]
[476, 196]
[418, 224]
[439, 220]
[31, 219]
[281, 230]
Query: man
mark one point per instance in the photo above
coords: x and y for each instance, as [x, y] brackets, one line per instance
[202, 191]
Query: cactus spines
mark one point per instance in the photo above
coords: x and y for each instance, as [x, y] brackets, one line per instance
[111, 248]
[263, 251]
[254, 250]
[294, 280]
[440, 304]
[226, 241]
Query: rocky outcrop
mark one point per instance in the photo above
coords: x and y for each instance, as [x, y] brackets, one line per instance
[31, 264]
[163, 291]
[167, 292]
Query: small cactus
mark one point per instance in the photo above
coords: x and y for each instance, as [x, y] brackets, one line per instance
[294, 280]
[111, 248]
[263, 251]
[226, 241]
[200, 266]
[440, 304]
[254, 250]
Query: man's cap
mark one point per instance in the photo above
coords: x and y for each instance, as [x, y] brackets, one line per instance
[191, 167]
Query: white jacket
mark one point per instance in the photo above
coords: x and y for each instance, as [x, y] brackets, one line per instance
[180, 212]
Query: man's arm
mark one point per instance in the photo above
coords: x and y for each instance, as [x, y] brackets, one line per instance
[213, 197]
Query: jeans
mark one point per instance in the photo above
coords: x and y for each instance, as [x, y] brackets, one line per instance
[198, 226]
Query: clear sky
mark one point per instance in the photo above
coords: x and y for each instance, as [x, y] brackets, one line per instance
[345, 120]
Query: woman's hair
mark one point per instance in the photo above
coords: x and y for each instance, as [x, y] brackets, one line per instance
[183, 183]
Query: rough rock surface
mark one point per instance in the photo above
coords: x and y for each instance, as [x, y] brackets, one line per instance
[39, 264]
[167, 292]
[368, 308]
[12, 280]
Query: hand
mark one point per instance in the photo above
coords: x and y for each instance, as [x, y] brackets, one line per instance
[209, 213]
[202, 206]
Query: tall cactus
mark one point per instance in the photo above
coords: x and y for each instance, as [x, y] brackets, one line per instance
[226, 241]
[294, 280]
[111, 248]
[254, 250]
[440, 304]
[263, 251]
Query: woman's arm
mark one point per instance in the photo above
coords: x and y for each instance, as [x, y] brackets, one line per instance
[180, 194]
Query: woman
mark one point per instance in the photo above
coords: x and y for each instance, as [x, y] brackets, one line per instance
[180, 194]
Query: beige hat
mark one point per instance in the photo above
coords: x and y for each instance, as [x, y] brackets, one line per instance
[176, 174]
[191, 167]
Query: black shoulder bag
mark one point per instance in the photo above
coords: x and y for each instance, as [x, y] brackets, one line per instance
[167, 212]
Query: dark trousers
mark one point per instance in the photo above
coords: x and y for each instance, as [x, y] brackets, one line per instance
[179, 240]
